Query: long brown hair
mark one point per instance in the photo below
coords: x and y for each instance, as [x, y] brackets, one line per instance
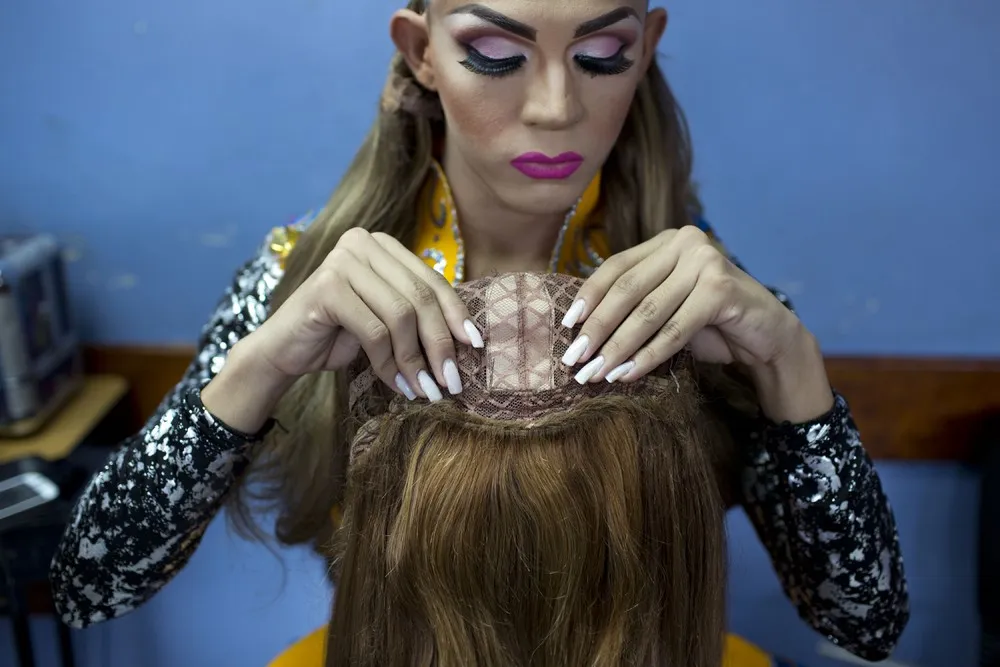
[594, 537]
[299, 472]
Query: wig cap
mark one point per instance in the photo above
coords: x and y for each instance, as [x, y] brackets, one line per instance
[518, 376]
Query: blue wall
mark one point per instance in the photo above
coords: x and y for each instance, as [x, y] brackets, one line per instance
[848, 152]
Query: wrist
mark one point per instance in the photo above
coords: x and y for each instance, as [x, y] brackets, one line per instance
[246, 391]
[794, 387]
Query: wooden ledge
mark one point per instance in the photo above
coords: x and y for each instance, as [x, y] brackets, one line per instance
[909, 408]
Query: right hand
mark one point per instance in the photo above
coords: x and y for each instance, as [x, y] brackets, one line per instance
[371, 293]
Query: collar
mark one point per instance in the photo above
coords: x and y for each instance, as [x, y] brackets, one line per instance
[579, 249]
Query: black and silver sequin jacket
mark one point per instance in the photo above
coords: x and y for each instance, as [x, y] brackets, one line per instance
[810, 490]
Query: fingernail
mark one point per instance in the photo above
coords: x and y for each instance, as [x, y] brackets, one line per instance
[429, 386]
[574, 313]
[619, 372]
[473, 333]
[451, 377]
[589, 370]
[405, 387]
[575, 351]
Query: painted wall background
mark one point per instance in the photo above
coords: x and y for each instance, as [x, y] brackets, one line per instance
[848, 152]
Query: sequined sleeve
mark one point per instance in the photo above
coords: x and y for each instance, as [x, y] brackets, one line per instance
[142, 516]
[817, 504]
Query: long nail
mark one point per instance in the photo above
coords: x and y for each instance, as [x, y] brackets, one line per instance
[429, 386]
[405, 387]
[573, 314]
[619, 372]
[589, 370]
[575, 351]
[473, 333]
[450, 371]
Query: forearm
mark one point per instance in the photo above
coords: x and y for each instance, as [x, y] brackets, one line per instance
[794, 388]
[817, 503]
[141, 517]
[245, 392]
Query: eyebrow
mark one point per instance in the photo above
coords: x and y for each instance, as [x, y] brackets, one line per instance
[524, 30]
[603, 21]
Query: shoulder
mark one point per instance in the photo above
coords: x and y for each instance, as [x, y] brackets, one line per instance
[281, 240]
[256, 279]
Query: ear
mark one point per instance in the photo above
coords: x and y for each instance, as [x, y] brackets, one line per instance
[653, 29]
[411, 36]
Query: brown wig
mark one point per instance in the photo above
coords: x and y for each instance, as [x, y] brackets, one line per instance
[532, 521]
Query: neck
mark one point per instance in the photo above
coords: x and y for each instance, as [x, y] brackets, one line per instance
[497, 238]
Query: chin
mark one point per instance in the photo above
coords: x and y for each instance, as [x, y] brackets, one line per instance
[544, 197]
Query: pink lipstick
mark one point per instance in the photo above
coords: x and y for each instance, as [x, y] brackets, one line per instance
[542, 167]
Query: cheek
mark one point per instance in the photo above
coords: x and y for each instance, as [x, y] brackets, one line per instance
[608, 104]
[478, 109]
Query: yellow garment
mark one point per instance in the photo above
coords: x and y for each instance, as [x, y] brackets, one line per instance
[310, 651]
[581, 247]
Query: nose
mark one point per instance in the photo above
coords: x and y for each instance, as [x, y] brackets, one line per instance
[552, 101]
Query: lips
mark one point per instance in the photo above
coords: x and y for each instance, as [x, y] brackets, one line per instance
[543, 167]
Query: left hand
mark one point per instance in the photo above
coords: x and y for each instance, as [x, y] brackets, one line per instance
[642, 306]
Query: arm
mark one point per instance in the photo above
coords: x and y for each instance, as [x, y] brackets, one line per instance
[817, 505]
[142, 516]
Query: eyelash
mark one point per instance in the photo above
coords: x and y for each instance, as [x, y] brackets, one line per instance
[477, 63]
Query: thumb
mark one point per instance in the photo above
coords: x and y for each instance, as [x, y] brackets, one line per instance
[345, 349]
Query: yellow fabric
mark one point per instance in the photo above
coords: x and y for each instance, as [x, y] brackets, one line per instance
[581, 247]
[310, 651]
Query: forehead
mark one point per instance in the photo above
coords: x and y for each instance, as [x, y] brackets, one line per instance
[541, 13]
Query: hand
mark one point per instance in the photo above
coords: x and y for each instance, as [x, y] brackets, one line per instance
[371, 293]
[644, 305]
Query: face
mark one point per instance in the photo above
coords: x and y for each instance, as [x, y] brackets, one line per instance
[534, 93]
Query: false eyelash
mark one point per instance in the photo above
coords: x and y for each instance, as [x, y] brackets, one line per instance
[616, 64]
[495, 67]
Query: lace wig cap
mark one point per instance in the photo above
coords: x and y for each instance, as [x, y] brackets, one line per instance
[518, 377]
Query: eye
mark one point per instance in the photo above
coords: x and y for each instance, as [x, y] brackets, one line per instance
[603, 56]
[493, 56]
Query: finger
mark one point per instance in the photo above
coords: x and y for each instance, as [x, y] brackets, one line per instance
[626, 294]
[600, 282]
[456, 314]
[648, 317]
[432, 328]
[697, 312]
[359, 321]
[613, 300]
[399, 317]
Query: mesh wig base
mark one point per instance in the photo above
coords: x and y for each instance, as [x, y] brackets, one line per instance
[518, 376]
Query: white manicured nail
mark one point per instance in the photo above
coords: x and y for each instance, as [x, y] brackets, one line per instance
[575, 351]
[620, 371]
[404, 387]
[573, 314]
[589, 370]
[473, 333]
[429, 386]
[451, 377]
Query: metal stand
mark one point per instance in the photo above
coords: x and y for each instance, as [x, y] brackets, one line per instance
[18, 610]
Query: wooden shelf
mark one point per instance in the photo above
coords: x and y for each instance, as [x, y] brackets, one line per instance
[95, 399]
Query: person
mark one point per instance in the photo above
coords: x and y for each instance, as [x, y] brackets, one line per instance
[511, 135]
